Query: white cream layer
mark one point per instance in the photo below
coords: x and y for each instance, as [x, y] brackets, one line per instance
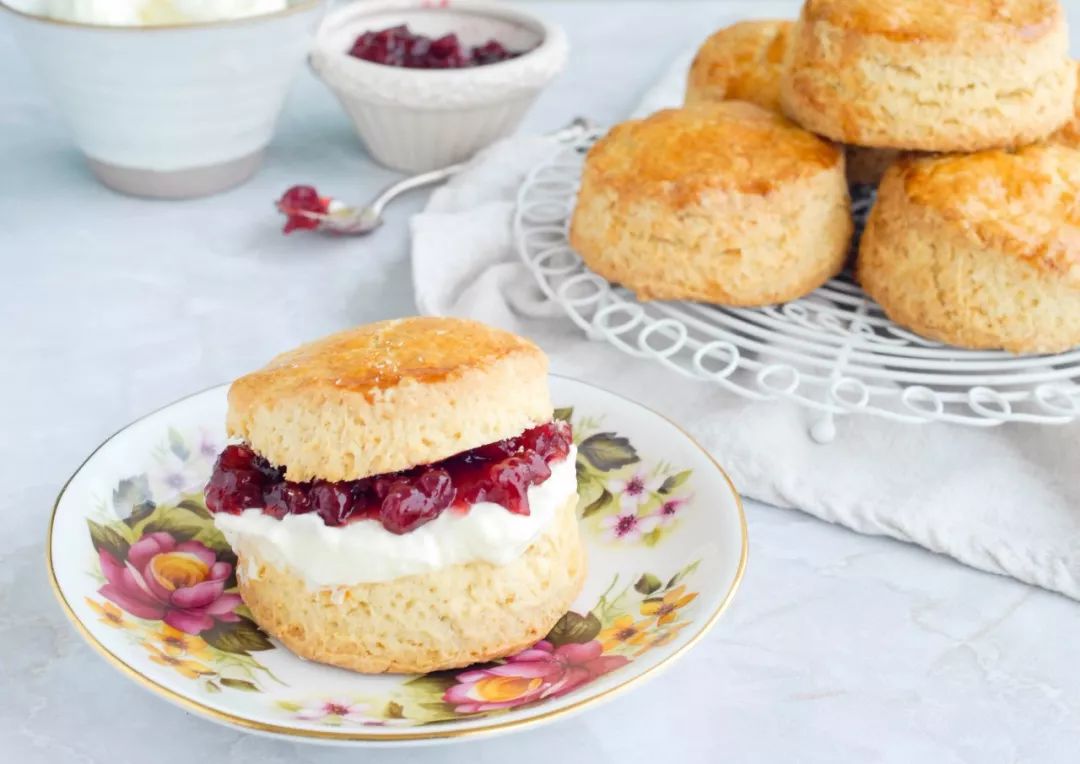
[364, 551]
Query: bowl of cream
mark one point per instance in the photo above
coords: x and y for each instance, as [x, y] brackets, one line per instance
[167, 98]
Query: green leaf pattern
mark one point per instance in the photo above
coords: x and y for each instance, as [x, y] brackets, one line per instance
[610, 473]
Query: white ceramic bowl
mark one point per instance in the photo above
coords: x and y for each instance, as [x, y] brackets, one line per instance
[421, 119]
[175, 111]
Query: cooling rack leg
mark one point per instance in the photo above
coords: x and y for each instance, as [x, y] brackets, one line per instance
[824, 429]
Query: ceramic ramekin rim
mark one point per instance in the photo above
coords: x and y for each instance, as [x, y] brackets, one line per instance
[295, 7]
[438, 89]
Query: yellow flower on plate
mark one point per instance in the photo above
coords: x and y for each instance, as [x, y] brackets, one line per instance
[623, 630]
[666, 608]
[663, 638]
[188, 668]
[177, 643]
[110, 614]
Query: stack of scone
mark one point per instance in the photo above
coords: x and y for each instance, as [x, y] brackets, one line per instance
[401, 498]
[962, 109]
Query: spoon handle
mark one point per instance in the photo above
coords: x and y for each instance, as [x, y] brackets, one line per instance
[398, 188]
[576, 127]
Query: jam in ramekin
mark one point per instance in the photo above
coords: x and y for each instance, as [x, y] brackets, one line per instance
[399, 46]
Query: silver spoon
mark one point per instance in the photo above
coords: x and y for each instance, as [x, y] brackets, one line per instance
[343, 219]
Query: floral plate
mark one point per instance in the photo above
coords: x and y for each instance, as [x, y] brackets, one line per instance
[140, 569]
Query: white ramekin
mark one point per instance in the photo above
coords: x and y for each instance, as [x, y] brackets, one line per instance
[421, 119]
[171, 111]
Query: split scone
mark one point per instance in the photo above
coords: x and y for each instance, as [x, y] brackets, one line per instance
[719, 202]
[981, 250]
[402, 499]
[930, 75]
[744, 62]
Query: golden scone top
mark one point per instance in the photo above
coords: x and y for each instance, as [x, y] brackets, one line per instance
[729, 146]
[382, 355]
[389, 396]
[938, 20]
[741, 62]
[1024, 202]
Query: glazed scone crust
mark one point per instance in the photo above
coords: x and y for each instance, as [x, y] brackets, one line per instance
[980, 251]
[450, 618]
[676, 154]
[950, 76]
[987, 22]
[720, 202]
[389, 396]
[741, 63]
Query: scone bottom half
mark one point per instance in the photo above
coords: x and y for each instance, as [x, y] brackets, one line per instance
[444, 619]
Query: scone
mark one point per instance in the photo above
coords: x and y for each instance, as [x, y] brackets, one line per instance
[744, 62]
[948, 75]
[740, 63]
[1069, 134]
[401, 500]
[719, 202]
[980, 251]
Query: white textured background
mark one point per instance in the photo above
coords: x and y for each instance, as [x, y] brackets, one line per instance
[837, 648]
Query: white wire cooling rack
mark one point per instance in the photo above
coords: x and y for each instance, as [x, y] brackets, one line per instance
[833, 351]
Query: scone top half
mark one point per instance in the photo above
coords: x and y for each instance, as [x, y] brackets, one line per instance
[390, 396]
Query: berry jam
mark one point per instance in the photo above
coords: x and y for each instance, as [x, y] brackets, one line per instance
[398, 46]
[500, 473]
[298, 200]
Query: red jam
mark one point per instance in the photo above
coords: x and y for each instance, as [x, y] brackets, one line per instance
[298, 200]
[398, 46]
[500, 473]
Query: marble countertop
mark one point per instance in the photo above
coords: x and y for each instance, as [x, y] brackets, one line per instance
[837, 648]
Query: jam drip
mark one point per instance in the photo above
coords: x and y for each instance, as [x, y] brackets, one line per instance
[500, 473]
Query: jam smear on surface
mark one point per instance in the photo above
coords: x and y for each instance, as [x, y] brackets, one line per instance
[500, 473]
[298, 200]
[399, 46]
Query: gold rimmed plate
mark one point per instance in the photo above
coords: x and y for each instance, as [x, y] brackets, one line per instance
[667, 545]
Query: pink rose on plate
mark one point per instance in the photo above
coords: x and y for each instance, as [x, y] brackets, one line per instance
[542, 671]
[181, 584]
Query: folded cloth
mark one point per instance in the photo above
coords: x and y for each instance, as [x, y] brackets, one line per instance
[1003, 499]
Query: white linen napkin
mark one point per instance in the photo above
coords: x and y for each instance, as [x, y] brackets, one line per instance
[1005, 500]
